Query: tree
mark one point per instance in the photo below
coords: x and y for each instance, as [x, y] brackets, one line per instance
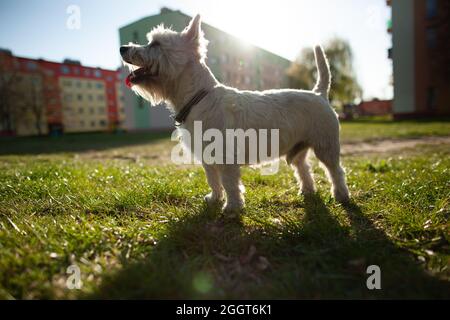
[8, 95]
[34, 104]
[21, 99]
[344, 88]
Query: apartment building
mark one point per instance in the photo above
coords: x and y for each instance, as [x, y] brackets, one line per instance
[44, 97]
[421, 57]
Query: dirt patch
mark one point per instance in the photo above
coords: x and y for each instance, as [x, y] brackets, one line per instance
[153, 153]
[390, 145]
[159, 153]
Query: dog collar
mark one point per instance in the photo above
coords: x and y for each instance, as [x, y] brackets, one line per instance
[184, 112]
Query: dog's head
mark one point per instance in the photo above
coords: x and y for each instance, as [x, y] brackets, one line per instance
[155, 67]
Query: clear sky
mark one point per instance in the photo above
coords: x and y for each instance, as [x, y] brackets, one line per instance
[38, 29]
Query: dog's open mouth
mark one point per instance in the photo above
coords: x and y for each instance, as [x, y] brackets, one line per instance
[139, 75]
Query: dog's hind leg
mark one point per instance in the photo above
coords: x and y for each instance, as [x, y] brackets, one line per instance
[328, 154]
[231, 181]
[214, 180]
[303, 172]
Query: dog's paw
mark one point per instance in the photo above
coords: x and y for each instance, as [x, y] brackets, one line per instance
[213, 200]
[233, 209]
[342, 196]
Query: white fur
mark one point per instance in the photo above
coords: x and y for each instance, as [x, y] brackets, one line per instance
[301, 116]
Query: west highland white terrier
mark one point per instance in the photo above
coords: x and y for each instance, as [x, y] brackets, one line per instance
[171, 68]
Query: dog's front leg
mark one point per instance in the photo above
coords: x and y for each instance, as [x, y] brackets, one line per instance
[231, 181]
[214, 181]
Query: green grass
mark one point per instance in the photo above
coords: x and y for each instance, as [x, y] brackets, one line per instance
[142, 231]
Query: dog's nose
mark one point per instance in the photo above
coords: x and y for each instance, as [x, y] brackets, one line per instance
[124, 49]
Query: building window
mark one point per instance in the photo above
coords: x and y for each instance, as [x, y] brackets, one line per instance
[135, 37]
[65, 70]
[87, 72]
[101, 110]
[225, 58]
[432, 8]
[91, 110]
[31, 65]
[76, 71]
[109, 78]
[100, 97]
[431, 37]
[99, 85]
[92, 123]
[431, 98]
[90, 98]
[97, 73]
[102, 123]
[80, 97]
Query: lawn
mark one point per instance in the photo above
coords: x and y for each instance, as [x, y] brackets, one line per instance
[138, 227]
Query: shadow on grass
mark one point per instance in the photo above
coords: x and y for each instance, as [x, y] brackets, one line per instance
[76, 142]
[310, 255]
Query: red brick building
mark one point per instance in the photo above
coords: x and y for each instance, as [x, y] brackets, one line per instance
[47, 97]
[375, 108]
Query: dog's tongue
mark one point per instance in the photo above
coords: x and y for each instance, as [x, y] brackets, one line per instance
[128, 81]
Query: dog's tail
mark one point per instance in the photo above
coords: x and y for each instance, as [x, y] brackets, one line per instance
[324, 75]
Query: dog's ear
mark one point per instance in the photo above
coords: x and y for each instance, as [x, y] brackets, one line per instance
[193, 31]
[195, 37]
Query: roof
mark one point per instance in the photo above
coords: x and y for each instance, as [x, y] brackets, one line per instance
[69, 62]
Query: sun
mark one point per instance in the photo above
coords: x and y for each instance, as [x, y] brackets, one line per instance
[254, 22]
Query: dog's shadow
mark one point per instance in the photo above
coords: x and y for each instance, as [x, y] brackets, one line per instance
[311, 256]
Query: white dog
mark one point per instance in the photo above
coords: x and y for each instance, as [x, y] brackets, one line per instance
[172, 68]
